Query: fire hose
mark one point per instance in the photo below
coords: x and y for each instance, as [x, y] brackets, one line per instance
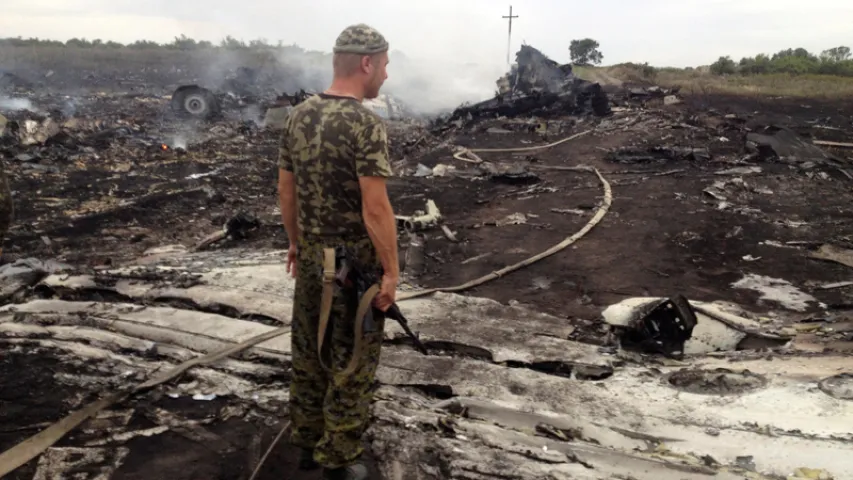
[35, 445]
[599, 214]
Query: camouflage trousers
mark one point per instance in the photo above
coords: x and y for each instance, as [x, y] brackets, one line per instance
[7, 209]
[329, 413]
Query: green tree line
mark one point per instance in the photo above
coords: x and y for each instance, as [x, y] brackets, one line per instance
[179, 43]
[795, 61]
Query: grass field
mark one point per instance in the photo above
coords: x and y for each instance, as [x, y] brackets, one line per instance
[700, 81]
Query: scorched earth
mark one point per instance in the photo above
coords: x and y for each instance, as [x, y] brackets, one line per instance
[143, 241]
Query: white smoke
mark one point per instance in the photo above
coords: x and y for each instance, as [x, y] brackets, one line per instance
[13, 104]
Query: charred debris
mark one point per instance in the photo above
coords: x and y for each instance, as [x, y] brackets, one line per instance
[535, 85]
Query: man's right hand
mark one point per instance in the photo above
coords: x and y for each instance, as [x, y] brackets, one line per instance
[292, 263]
[387, 293]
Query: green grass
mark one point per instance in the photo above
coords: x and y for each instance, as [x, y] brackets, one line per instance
[700, 81]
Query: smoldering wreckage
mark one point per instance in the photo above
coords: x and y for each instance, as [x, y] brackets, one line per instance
[675, 306]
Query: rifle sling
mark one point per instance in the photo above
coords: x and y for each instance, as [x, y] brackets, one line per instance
[364, 303]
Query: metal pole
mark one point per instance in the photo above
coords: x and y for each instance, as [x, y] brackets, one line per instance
[509, 34]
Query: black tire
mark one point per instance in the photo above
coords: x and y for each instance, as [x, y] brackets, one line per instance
[192, 101]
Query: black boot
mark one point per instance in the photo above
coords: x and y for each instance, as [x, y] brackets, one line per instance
[356, 471]
[306, 460]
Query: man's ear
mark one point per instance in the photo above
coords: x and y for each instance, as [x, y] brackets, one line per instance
[366, 64]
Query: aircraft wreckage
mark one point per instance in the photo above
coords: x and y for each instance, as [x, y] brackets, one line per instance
[241, 90]
[502, 394]
[538, 85]
[534, 85]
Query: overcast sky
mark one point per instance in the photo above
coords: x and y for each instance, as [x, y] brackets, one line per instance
[662, 32]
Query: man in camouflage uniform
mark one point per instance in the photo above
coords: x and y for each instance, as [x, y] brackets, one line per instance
[333, 164]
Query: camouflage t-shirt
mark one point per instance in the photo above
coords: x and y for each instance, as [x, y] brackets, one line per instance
[328, 142]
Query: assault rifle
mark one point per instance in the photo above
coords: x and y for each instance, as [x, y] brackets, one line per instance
[350, 273]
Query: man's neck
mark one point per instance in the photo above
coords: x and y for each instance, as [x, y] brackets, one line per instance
[342, 88]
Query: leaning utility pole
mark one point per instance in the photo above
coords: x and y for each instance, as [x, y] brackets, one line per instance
[509, 38]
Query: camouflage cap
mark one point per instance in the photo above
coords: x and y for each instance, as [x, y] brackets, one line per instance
[360, 39]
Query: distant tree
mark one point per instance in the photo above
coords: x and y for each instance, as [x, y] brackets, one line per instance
[585, 52]
[259, 43]
[837, 54]
[793, 52]
[182, 43]
[755, 65]
[230, 42]
[144, 44]
[78, 42]
[724, 66]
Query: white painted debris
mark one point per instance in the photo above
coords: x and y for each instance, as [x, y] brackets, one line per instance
[719, 326]
[276, 116]
[98, 463]
[671, 100]
[512, 219]
[777, 290]
[423, 171]
[33, 132]
[441, 170]
[196, 176]
[739, 171]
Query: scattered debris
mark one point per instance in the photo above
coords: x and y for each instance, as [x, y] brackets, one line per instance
[739, 171]
[776, 290]
[24, 273]
[535, 85]
[512, 219]
[838, 386]
[653, 91]
[832, 286]
[813, 474]
[671, 100]
[660, 327]
[474, 259]
[194, 101]
[574, 211]
[236, 228]
[832, 253]
[632, 155]
[781, 143]
[719, 381]
[448, 233]
[825, 143]
[717, 327]
[421, 220]
[514, 175]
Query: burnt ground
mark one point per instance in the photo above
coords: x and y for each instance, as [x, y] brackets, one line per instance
[31, 402]
[662, 236]
[103, 194]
